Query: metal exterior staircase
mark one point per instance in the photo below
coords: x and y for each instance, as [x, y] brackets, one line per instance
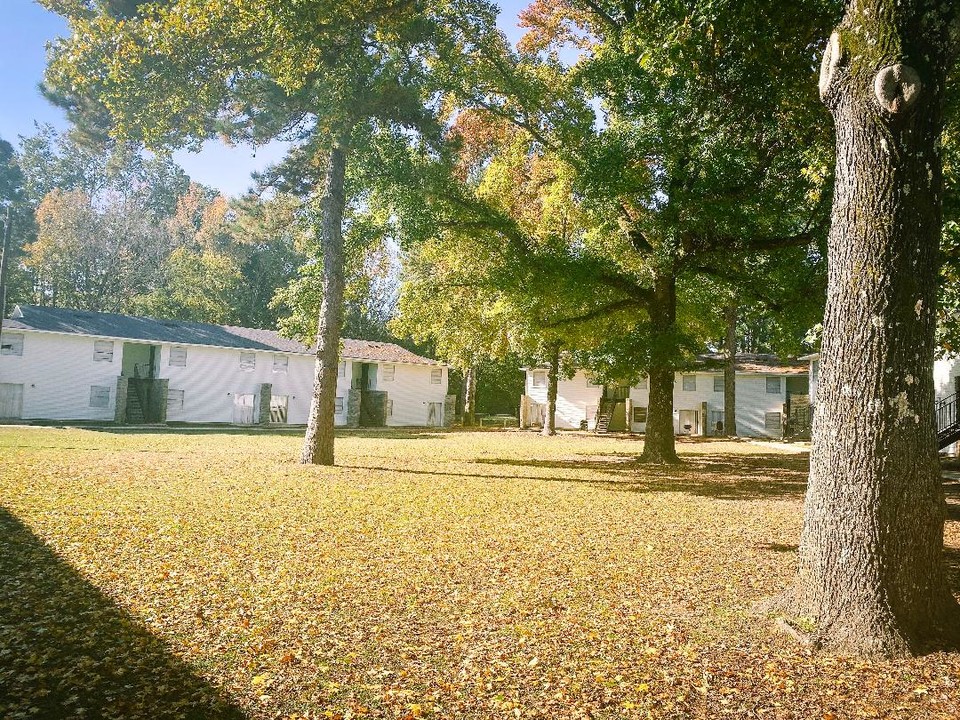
[948, 423]
[134, 409]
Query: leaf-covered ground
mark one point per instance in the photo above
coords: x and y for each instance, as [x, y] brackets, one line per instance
[475, 575]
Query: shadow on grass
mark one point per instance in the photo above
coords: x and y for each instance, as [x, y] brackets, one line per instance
[66, 650]
[725, 477]
[257, 431]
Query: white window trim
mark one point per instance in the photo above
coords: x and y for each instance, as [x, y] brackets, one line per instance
[177, 393]
[338, 405]
[722, 380]
[389, 376]
[100, 390]
[281, 364]
[683, 383]
[178, 351]
[533, 378]
[779, 380]
[11, 344]
[436, 376]
[248, 360]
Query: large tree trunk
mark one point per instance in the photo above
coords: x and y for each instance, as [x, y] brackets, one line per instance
[553, 375]
[730, 374]
[871, 572]
[659, 442]
[318, 443]
[470, 396]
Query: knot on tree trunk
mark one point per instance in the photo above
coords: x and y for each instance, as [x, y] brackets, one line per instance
[897, 87]
[829, 64]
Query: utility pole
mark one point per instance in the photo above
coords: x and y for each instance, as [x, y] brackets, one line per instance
[3, 268]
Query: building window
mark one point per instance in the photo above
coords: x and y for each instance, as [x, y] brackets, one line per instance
[174, 399]
[539, 378]
[642, 383]
[248, 360]
[99, 396]
[342, 369]
[639, 414]
[389, 408]
[718, 383]
[338, 405]
[178, 356]
[689, 383]
[103, 351]
[773, 385]
[771, 422]
[389, 372]
[280, 363]
[436, 376]
[11, 344]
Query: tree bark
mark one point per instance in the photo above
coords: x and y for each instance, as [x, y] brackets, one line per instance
[871, 567]
[318, 442]
[659, 442]
[730, 374]
[553, 375]
[470, 396]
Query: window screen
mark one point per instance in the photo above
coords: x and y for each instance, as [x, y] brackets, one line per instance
[773, 385]
[11, 344]
[436, 376]
[103, 351]
[280, 363]
[718, 383]
[248, 360]
[689, 382]
[539, 378]
[178, 356]
[99, 396]
[174, 399]
[639, 414]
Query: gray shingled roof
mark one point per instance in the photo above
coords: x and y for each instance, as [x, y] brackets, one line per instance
[182, 332]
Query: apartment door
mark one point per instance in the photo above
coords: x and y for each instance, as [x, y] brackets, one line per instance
[688, 422]
[435, 414]
[11, 401]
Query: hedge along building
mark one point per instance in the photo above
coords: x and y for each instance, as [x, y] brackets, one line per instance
[61, 364]
[768, 392]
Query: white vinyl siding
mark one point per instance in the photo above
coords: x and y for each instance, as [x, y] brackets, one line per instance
[11, 344]
[280, 363]
[178, 357]
[103, 351]
[248, 360]
[642, 383]
[388, 373]
[342, 369]
[99, 396]
[577, 398]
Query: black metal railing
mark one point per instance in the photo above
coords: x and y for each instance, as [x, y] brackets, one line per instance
[947, 425]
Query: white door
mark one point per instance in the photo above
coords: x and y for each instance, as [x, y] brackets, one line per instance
[278, 409]
[688, 422]
[243, 409]
[11, 401]
[435, 414]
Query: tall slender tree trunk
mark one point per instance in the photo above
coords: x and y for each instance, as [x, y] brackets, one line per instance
[470, 396]
[553, 375]
[871, 571]
[659, 442]
[318, 443]
[730, 374]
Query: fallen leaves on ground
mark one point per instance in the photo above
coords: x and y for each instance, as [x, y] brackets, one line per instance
[430, 574]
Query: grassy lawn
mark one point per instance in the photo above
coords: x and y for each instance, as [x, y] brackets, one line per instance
[481, 575]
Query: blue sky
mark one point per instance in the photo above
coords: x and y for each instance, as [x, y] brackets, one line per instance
[27, 28]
